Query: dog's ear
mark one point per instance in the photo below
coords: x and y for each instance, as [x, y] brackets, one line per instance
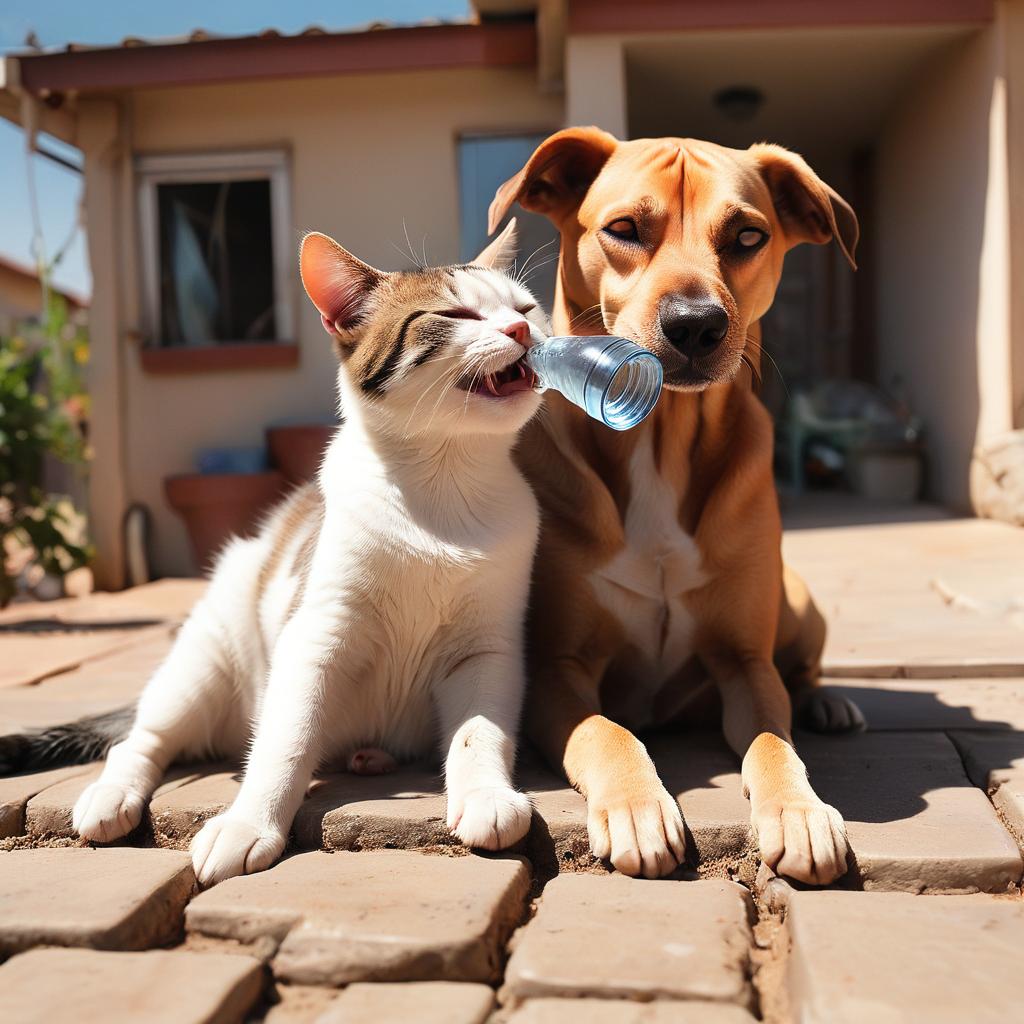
[557, 176]
[501, 253]
[339, 285]
[810, 211]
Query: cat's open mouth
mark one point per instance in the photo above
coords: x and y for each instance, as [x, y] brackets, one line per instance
[511, 380]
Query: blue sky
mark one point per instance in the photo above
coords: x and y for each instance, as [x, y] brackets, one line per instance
[57, 22]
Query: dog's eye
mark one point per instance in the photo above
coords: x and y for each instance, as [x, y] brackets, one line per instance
[459, 314]
[623, 228]
[751, 238]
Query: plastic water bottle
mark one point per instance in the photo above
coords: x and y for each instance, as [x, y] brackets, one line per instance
[612, 379]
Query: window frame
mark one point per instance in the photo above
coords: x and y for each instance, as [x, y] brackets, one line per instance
[153, 170]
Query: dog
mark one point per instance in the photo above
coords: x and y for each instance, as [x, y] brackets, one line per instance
[659, 566]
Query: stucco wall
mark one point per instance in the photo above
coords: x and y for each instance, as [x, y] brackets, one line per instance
[368, 152]
[942, 219]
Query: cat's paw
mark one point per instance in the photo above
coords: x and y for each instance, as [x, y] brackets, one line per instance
[226, 847]
[106, 811]
[490, 818]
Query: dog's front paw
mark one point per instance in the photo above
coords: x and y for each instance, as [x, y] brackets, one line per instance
[828, 711]
[106, 811]
[640, 830]
[226, 847]
[490, 818]
[802, 838]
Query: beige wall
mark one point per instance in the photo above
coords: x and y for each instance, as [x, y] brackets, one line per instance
[942, 217]
[369, 153]
[19, 296]
[1013, 55]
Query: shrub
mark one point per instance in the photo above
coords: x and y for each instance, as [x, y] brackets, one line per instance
[43, 416]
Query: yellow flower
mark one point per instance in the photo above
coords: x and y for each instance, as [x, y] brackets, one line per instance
[81, 351]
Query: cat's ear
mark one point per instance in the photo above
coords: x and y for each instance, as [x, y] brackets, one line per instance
[339, 285]
[501, 253]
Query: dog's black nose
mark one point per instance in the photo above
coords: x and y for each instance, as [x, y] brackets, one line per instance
[695, 328]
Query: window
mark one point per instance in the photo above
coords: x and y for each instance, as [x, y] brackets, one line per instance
[485, 162]
[216, 249]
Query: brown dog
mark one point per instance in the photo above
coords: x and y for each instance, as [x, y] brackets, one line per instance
[659, 563]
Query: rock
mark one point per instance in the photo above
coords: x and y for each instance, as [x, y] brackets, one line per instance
[107, 899]
[627, 938]
[51, 986]
[859, 957]
[387, 915]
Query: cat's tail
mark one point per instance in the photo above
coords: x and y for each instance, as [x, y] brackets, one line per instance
[79, 742]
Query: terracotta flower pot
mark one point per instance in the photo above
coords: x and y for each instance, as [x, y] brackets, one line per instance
[298, 451]
[218, 506]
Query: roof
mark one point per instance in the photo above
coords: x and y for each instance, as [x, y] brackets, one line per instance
[13, 266]
[204, 57]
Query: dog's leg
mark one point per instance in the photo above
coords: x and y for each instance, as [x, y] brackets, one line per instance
[632, 820]
[799, 835]
[799, 643]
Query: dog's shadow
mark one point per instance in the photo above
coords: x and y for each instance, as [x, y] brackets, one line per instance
[916, 754]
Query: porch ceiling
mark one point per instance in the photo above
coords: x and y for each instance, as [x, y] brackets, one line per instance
[827, 91]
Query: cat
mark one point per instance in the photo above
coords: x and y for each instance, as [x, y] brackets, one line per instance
[383, 605]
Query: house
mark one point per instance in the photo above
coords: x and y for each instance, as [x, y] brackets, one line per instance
[201, 335]
[21, 294]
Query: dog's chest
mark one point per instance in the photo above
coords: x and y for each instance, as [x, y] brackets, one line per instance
[644, 584]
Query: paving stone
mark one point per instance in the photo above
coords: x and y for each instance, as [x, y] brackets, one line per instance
[188, 797]
[386, 915]
[915, 822]
[617, 1011]
[106, 899]
[100, 685]
[425, 1002]
[924, 598]
[995, 762]
[405, 811]
[82, 986]
[861, 958]
[618, 937]
[909, 704]
[298, 1004]
[29, 658]
[49, 811]
[17, 790]
[42, 639]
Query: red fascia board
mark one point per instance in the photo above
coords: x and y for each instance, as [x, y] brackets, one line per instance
[592, 16]
[231, 60]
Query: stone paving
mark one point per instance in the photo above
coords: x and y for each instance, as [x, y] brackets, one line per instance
[376, 915]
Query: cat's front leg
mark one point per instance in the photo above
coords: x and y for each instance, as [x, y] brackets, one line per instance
[479, 705]
[287, 747]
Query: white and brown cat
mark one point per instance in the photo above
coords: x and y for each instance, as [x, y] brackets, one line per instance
[377, 610]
